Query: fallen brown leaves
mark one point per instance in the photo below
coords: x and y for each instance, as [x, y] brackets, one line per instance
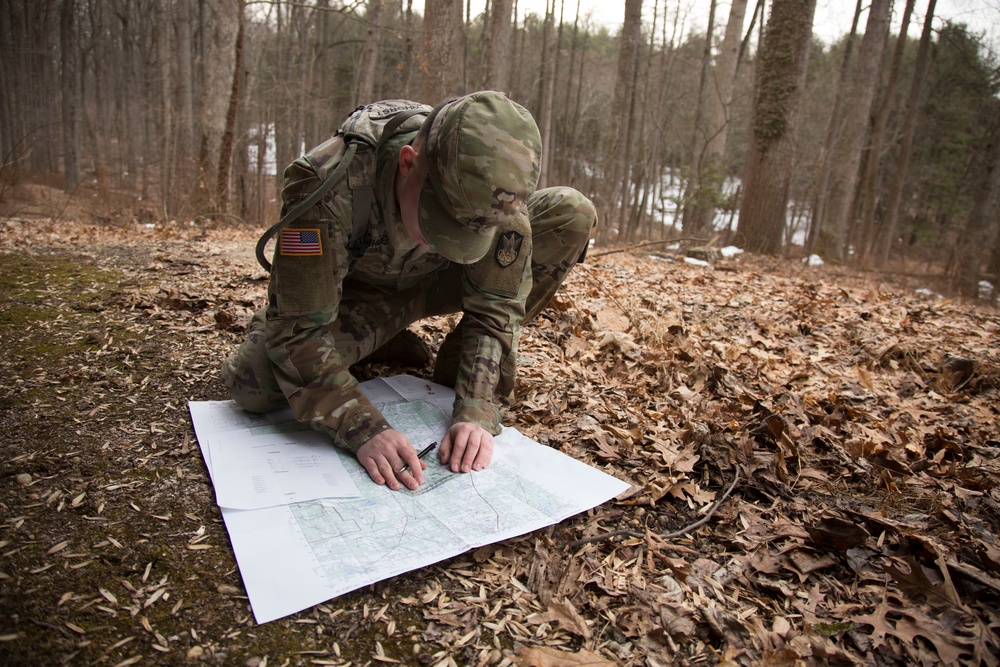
[813, 459]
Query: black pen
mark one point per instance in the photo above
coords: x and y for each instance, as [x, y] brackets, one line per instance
[426, 450]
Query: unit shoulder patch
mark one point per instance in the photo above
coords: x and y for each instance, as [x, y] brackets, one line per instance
[508, 248]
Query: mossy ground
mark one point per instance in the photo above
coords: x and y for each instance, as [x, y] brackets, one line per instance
[113, 550]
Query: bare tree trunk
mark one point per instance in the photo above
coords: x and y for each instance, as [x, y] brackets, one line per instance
[368, 67]
[578, 105]
[566, 135]
[226, 146]
[974, 241]
[498, 58]
[782, 66]
[696, 192]
[547, 97]
[408, 50]
[717, 102]
[847, 151]
[222, 26]
[618, 127]
[644, 173]
[442, 48]
[895, 201]
[166, 140]
[832, 133]
[872, 169]
[7, 90]
[70, 94]
[185, 153]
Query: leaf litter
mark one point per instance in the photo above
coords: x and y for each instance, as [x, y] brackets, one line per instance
[812, 454]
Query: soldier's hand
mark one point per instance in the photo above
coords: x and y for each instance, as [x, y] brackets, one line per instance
[466, 447]
[384, 457]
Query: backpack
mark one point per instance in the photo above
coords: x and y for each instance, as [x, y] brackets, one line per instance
[357, 141]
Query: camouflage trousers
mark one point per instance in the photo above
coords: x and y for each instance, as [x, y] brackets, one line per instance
[561, 223]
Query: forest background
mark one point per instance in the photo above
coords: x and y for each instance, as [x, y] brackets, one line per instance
[706, 120]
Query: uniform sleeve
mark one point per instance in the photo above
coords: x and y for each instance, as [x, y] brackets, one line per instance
[310, 263]
[494, 293]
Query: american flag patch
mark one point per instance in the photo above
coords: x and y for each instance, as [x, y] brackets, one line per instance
[300, 242]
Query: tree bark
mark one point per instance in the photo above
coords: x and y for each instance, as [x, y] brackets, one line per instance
[696, 191]
[872, 168]
[782, 66]
[70, 95]
[895, 201]
[221, 28]
[408, 58]
[618, 125]
[185, 154]
[442, 49]
[226, 146]
[547, 81]
[846, 156]
[974, 241]
[368, 68]
[718, 99]
[833, 128]
[498, 57]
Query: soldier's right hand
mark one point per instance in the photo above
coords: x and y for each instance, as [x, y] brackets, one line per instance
[384, 457]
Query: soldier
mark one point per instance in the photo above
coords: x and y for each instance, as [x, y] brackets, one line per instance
[455, 226]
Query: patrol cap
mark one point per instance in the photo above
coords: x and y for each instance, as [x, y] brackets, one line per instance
[484, 153]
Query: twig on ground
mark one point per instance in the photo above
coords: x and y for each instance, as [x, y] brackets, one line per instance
[665, 536]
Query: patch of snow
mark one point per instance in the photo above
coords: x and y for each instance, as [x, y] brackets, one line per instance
[731, 251]
[814, 260]
[695, 262]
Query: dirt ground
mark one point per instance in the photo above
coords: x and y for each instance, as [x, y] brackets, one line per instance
[812, 453]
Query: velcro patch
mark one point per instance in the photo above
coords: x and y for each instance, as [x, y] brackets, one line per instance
[300, 243]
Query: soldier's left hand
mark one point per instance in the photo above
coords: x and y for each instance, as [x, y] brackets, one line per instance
[466, 447]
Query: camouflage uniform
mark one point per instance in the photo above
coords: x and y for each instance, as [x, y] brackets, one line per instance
[331, 304]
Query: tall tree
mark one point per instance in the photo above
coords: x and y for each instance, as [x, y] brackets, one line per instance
[696, 191]
[368, 67]
[407, 62]
[974, 240]
[442, 49]
[833, 127]
[228, 135]
[868, 189]
[221, 27]
[69, 55]
[710, 143]
[547, 82]
[621, 113]
[910, 114]
[846, 156]
[781, 71]
[185, 151]
[498, 50]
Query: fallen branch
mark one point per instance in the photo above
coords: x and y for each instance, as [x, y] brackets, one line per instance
[649, 243]
[665, 536]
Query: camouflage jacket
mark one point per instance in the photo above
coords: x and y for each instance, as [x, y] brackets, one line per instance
[305, 292]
